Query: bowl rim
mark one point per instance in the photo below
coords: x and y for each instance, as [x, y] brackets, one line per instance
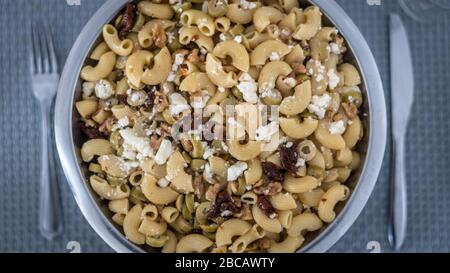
[321, 243]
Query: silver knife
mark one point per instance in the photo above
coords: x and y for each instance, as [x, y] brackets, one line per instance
[402, 95]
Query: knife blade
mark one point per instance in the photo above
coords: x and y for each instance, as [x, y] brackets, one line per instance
[402, 96]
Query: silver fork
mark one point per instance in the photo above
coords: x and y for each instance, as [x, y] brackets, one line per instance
[44, 83]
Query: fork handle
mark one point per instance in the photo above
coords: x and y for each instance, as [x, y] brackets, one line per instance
[50, 224]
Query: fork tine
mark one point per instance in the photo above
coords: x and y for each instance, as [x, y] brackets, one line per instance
[51, 49]
[37, 51]
[44, 49]
[31, 63]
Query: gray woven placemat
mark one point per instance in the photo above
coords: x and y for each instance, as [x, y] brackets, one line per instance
[427, 150]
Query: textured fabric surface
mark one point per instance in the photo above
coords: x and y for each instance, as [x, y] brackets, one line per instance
[427, 151]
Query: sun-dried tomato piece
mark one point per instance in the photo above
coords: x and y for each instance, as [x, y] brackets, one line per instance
[122, 99]
[150, 100]
[199, 187]
[265, 205]
[127, 22]
[272, 171]
[224, 206]
[90, 132]
[289, 156]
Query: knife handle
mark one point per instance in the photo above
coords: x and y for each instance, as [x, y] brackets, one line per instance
[399, 202]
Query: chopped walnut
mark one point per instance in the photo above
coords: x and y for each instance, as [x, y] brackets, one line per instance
[155, 142]
[186, 143]
[199, 187]
[161, 102]
[194, 57]
[165, 129]
[184, 70]
[270, 188]
[245, 213]
[212, 192]
[264, 243]
[350, 109]
[298, 68]
[306, 48]
[159, 35]
[265, 205]
[106, 126]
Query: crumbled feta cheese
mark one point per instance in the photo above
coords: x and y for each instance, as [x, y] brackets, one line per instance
[226, 213]
[203, 51]
[236, 170]
[244, 4]
[208, 152]
[171, 77]
[300, 162]
[265, 133]
[274, 56]
[220, 89]
[103, 89]
[224, 146]
[285, 32]
[333, 79]
[170, 37]
[248, 90]
[248, 87]
[238, 39]
[207, 172]
[205, 6]
[319, 105]
[164, 151]
[178, 104]
[291, 82]
[334, 48]
[132, 142]
[128, 154]
[289, 144]
[127, 166]
[246, 77]
[222, 37]
[88, 89]
[199, 101]
[163, 182]
[179, 59]
[282, 140]
[122, 122]
[319, 77]
[337, 128]
[267, 92]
